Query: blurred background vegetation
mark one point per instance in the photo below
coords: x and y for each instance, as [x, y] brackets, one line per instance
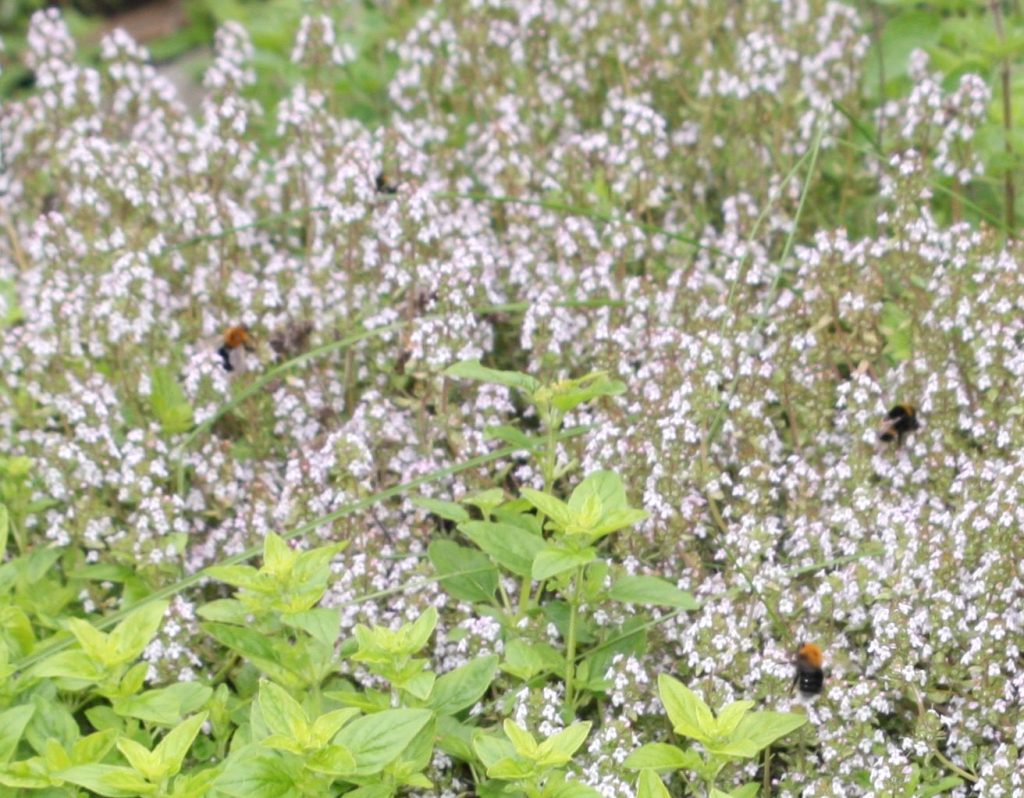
[985, 37]
[179, 35]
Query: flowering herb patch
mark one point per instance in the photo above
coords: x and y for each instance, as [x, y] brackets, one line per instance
[515, 446]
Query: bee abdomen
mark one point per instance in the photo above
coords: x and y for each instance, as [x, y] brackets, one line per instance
[811, 680]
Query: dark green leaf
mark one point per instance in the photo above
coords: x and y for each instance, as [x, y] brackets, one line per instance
[463, 687]
[467, 574]
[650, 785]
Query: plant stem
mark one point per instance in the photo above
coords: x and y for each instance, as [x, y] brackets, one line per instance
[570, 648]
[802, 751]
[16, 250]
[524, 597]
[20, 539]
[955, 768]
[1008, 185]
[317, 699]
[552, 423]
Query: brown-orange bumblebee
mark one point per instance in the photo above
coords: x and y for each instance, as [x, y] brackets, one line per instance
[236, 342]
[898, 423]
[809, 676]
[383, 185]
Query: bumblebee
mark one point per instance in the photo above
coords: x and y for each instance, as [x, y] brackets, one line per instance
[809, 676]
[898, 423]
[236, 343]
[383, 185]
[292, 339]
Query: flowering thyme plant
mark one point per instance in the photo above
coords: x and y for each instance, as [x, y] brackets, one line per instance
[699, 207]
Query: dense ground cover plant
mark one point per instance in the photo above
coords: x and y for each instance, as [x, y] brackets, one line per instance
[687, 359]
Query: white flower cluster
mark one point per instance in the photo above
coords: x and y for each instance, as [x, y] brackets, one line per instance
[643, 183]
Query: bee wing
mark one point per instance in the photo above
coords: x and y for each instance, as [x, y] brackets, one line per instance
[231, 359]
[887, 430]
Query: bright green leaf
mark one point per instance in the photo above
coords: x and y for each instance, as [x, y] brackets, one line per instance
[689, 714]
[131, 636]
[278, 556]
[164, 706]
[729, 718]
[420, 631]
[764, 728]
[651, 591]
[177, 742]
[283, 714]
[93, 747]
[321, 623]
[334, 760]
[511, 769]
[12, 723]
[662, 756]
[512, 436]
[257, 773]
[555, 509]
[142, 759]
[449, 511]
[93, 642]
[4, 528]
[491, 748]
[554, 560]
[168, 402]
[76, 666]
[559, 747]
[606, 486]
[617, 519]
[109, 780]
[522, 741]
[473, 370]
[511, 547]
[650, 785]
[486, 500]
[376, 740]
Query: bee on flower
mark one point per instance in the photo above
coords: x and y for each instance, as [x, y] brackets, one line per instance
[898, 423]
[809, 676]
[235, 344]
